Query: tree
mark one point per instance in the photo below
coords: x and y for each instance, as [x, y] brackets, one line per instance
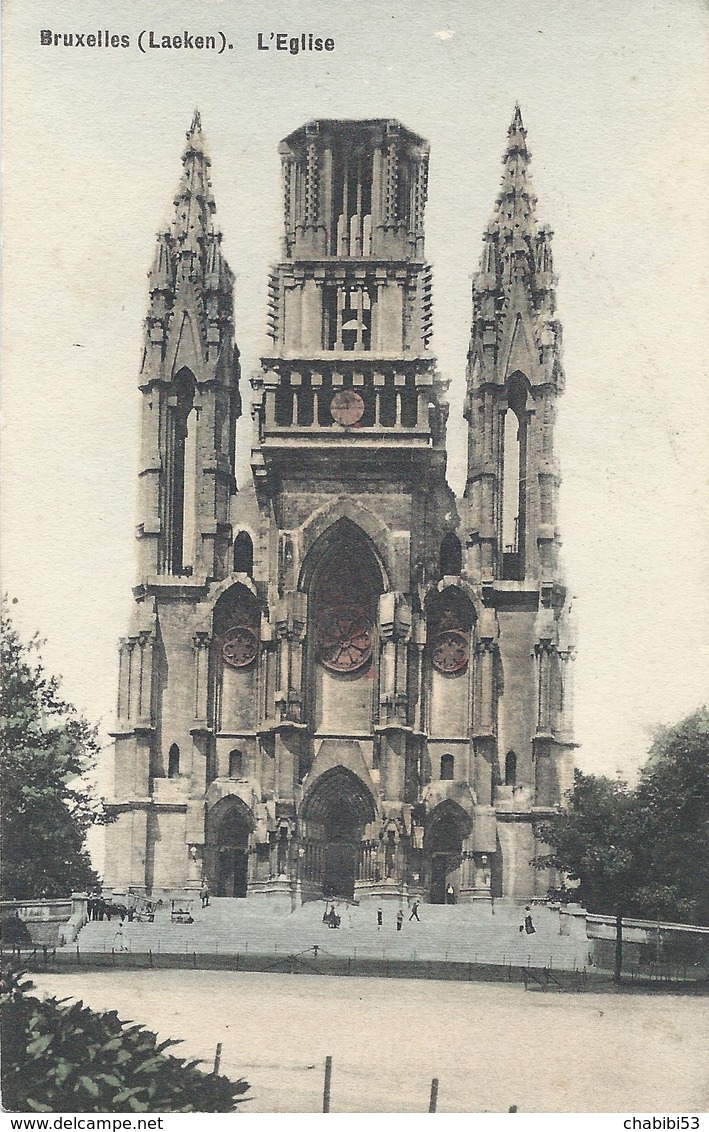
[592, 842]
[672, 822]
[642, 852]
[45, 745]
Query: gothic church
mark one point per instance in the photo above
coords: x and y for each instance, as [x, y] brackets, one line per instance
[343, 681]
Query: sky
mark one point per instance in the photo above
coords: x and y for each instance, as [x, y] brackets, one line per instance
[615, 101]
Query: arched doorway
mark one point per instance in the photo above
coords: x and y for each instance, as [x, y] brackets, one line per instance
[333, 820]
[228, 829]
[448, 828]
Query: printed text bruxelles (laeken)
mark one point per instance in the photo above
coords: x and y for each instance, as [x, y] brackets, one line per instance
[302, 43]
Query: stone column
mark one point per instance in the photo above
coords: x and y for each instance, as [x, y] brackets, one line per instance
[485, 705]
[291, 623]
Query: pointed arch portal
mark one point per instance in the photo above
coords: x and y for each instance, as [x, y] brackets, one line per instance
[229, 826]
[333, 816]
[448, 827]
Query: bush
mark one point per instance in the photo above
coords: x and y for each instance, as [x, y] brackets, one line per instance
[60, 1056]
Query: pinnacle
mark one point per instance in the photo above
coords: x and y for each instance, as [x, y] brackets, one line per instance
[514, 216]
[194, 203]
[517, 123]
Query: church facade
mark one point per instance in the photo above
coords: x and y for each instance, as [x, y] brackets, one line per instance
[343, 681]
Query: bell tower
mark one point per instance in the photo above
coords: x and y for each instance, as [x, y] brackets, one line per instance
[189, 382]
[514, 380]
[189, 385]
[349, 377]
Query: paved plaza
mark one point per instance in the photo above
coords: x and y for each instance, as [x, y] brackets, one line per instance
[491, 1045]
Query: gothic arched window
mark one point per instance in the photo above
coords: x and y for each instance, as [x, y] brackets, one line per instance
[514, 480]
[447, 768]
[243, 553]
[510, 769]
[451, 556]
[182, 477]
[236, 764]
[173, 761]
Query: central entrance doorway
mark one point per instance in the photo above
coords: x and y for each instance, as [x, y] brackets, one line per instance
[228, 846]
[339, 869]
[334, 816]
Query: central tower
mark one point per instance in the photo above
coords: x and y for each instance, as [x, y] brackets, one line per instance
[349, 467]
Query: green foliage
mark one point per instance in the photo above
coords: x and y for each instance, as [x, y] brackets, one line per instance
[591, 842]
[642, 852]
[672, 822]
[60, 1056]
[45, 745]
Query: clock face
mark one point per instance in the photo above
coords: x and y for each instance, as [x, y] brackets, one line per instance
[345, 638]
[239, 646]
[347, 407]
[450, 651]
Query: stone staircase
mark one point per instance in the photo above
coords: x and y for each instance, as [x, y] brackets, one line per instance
[462, 933]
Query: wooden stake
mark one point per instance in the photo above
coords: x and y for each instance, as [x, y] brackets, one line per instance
[217, 1058]
[326, 1089]
[434, 1095]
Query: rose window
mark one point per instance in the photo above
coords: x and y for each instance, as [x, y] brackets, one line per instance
[239, 646]
[450, 651]
[345, 638]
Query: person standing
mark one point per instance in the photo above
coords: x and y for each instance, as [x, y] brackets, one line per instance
[415, 912]
[399, 919]
[380, 918]
[528, 925]
[450, 894]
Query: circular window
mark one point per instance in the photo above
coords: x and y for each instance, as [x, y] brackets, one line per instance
[347, 407]
[239, 646]
[450, 651]
[345, 638]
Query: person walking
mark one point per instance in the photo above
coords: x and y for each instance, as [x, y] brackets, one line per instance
[528, 925]
[399, 919]
[450, 894]
[204, 896]
[415, 912]
[380, 918]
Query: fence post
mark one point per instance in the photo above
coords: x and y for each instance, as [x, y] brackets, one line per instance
[434, 1095]
[326, 1087]
[217, 1058]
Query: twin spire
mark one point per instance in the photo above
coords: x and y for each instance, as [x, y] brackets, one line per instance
[194, 202]
[188, 267]
[516, 247]
[514, 217]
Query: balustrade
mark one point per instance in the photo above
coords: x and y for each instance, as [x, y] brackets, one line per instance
[402, 408]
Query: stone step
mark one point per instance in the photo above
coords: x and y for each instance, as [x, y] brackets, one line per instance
[463, 933]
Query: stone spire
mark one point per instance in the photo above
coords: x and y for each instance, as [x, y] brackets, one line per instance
[194, 202]
[514, 216]
[516, 270]
[189, 270]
